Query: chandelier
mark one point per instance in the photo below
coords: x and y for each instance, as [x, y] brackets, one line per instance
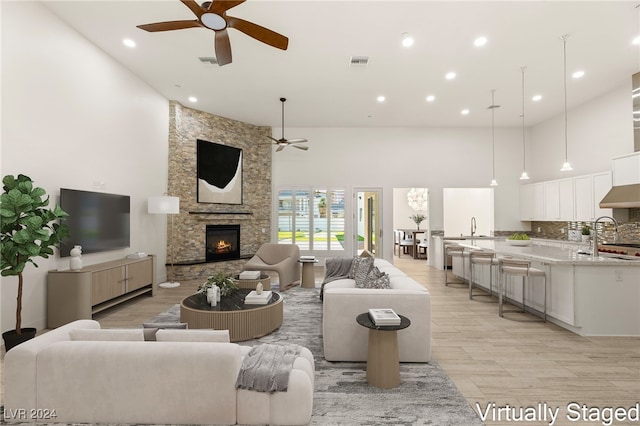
[417, 198]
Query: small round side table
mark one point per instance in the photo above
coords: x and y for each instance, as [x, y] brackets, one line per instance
[383, 362]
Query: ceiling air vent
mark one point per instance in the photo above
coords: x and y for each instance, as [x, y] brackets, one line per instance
[208, 60]
[359, 61]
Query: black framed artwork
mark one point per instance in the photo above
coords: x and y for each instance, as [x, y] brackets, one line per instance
[219, 173]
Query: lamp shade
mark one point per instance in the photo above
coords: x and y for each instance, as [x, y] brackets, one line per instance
[163, 204]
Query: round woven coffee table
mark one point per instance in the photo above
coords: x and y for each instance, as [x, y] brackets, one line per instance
[244, 321]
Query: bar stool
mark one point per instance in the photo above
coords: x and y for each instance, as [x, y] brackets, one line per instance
[520, 268]
[482, 258]
[453, 250]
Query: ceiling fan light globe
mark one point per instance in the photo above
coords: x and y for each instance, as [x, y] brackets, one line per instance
[213, 21]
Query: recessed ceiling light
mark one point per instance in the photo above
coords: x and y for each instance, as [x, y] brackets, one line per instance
[431, 98]
[480, 41]
[578, 74]
[450, 75]
[536, 98]
[464, 112]
[381, 98]
[128, 42]
[407, 40]
[636, 41]
[193, 99]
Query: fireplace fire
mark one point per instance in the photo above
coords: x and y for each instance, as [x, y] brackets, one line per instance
[222, 242]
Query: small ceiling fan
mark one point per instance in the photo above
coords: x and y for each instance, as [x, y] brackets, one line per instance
[282, 142]
[213, 15]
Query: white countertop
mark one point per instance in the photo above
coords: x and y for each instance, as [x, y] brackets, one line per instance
[544, 253]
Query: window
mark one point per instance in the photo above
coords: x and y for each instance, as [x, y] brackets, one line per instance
[312, 219]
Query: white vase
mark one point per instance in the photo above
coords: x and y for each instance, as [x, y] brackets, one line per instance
[212, 297]
[75, 263]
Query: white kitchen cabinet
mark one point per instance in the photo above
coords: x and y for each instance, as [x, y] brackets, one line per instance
[626, 169]
[601, 186]
[583, 198]
[551, 200]
[567, 211]
[532, 202]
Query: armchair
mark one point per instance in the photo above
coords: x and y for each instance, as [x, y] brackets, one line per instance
[281, 258]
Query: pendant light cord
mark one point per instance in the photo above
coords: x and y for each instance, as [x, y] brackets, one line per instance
[566, 138]
[493, 133]
[524, 155]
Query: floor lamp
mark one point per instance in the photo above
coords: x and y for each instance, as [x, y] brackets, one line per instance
[165, 204]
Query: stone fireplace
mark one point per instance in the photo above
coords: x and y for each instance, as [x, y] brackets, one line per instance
[222, 242]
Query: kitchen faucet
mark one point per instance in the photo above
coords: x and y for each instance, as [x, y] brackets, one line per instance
[595, 233]
[473, 225]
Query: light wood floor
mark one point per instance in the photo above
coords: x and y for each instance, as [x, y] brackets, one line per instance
[520, 362]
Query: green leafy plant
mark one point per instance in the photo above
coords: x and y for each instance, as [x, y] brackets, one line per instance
[518, 236]
[586, 230]
[28, 229]
[225, 282]
[417, 218]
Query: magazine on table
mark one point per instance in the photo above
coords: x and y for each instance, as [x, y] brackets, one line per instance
[384, 316]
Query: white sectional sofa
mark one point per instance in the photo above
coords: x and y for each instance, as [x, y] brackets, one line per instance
[346, 340]
[53, 379]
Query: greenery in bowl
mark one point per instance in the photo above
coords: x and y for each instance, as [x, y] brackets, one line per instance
[586, 230]
[518, 236]
[225, 282]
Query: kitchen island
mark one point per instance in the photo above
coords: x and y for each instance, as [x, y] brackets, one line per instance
[590, 296]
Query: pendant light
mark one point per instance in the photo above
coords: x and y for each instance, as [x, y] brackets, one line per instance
[524, 175]
[493, 107]
[566, 167]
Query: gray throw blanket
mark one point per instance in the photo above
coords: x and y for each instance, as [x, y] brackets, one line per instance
[336, 268]
[266, 367]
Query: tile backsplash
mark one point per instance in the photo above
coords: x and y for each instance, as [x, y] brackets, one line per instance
[628, 232]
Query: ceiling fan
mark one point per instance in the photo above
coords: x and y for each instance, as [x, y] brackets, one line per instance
[282, 142]
[213, 15]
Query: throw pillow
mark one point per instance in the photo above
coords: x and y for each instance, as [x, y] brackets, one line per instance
[110, 335]
[360, 269]
[366, 253]
[376, 279]
[220, 336]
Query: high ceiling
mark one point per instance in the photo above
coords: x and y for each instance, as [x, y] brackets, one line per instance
[323, 90]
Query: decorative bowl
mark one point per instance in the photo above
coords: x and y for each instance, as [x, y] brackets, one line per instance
[519, 242]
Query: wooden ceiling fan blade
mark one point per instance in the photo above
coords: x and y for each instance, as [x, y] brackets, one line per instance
[194, 7]
[299, 140]
[280, 148]
[274, 139]
[223, 47]
[220, 6]
[262, 34]
[302, 147]
[169, 26]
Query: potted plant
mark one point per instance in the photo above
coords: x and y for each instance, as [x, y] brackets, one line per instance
[28, 230]
[586, 233]
[225, 282]
[417, 218]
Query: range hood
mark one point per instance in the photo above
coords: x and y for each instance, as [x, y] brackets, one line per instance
[625, 193]
[622, 197]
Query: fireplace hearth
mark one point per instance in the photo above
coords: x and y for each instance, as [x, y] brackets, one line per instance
[222, 242]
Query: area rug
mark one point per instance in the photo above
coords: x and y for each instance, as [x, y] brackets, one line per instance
[342, 396]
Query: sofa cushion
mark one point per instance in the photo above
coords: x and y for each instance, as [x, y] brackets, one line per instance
[375, 279]
[219, 336]
[113, 335]
[159, 325]
[360, 268]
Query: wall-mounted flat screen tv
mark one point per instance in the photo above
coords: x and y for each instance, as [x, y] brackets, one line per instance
[97, 221]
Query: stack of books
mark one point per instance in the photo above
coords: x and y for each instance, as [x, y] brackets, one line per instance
[249, 275]
[254, 298]
[385, 316]
[307, 258]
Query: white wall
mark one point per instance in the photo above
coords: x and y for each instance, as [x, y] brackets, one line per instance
[400, 158]
[597, 131]
[72, 117]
